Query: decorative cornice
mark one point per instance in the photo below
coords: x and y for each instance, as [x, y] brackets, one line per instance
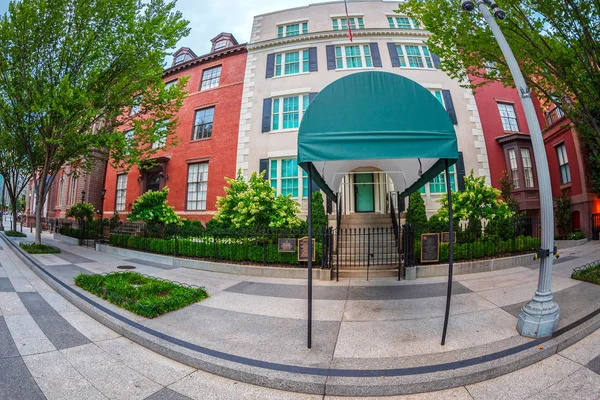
[207, 57]
[312, 36]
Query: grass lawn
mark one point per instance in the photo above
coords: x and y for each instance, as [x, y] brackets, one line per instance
[590, 274]
[33, 248]
[142, 295]
[14, 233]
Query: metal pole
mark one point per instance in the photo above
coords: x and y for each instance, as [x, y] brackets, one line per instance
[2, 208]
[310, 256]
[539, 317]
[450, 255]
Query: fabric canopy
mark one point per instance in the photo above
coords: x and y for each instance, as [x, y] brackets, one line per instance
[380, 120]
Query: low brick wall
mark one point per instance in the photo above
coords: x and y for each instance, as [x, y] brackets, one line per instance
[470, 267]
[237, 269]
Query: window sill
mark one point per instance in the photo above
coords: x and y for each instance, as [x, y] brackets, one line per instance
[566, 186]
[419, 68]
[209, 89]
[285, 130]
[285, 76]
[355, 69]
[200, 140]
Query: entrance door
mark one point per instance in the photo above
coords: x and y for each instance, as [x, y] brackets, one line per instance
[363, 190]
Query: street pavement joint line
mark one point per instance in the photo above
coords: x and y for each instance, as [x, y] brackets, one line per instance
[351, 373]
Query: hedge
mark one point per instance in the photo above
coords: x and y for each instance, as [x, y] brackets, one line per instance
[241, 249]
[485, 248]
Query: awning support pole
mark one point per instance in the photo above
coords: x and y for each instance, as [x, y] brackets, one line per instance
[310, 257]
[450, 253]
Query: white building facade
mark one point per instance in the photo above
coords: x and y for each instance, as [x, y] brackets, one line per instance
[295, 53]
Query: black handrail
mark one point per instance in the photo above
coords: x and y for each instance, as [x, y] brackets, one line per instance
[395, 224]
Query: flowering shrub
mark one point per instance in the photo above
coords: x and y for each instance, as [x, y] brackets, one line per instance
[152, 208]
[254, 204]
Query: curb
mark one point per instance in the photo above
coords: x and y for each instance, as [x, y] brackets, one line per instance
[321, 381]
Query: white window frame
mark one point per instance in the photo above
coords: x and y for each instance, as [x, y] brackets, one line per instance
[341, 24]
[563, 164]
[514, 167]
[438, 94]
[180, 59]
[363, 57]
[196, 200]
[412, 23]
[211, 82]
[426, 59]
[136, 105]
[303, 61]
[61, 188]
[276, 179]
[205, 129]
[73, 191]
[277, 114]
[221, 44]
[282, 29]
[527, 167]
[508, 116]
[171, 83]
[121, 193]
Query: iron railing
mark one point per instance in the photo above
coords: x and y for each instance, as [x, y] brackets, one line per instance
[554, 115]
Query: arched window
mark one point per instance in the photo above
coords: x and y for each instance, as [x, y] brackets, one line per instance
[61, 187]
[73, 194]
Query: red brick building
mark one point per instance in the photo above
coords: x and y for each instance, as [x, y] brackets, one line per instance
[509, 149]
[194, 169]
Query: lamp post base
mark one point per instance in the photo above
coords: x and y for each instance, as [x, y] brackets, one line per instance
[538, 319]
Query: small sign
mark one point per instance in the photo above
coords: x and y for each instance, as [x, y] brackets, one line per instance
[303, 249]
[287, 245]
[430, 247]
[446, 237]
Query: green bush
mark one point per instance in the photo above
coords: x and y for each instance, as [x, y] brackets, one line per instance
[33, 248]
[81, 211]
[152, 208]
[319, 218]
[416, 214]
[14, 234]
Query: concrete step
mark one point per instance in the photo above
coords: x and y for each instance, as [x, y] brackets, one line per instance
[362, 273]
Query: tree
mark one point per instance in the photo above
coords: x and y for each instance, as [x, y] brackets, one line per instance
[558, 48]
[72, 73]
[416, 214]
[152, 208]
[254, 204]
[319, 218]
[81, 211]
[563, 213]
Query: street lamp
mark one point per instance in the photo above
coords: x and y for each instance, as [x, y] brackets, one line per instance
[102, 196]
[83, 196]
[539, 317]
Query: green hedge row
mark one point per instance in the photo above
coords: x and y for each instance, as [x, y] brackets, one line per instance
[250, 251]
[485, 248]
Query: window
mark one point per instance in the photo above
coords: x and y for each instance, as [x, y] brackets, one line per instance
[414, 56]
[563, 162]
[291, 63]
[288, 111]
[179, 59]
[137, 105]
[438, 184]
[197, 186]
[210, 78]
[203, 123]
[285, 177]
[514, 169]
[170, 84]
[348, 57]
[438, 95]
[121, 192]
[157, 144]
[508, 116]
[527, 167]
[292, 29]
[341, 24]
[221, 44]
[61, 187]
[73, 194]
[153, 183]
[402, 23]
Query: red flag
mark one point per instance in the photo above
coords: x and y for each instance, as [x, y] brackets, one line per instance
[348, 21]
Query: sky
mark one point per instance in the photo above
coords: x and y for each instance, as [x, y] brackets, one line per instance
[208, 18]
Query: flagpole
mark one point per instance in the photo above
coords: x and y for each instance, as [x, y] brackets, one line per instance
[348, 21]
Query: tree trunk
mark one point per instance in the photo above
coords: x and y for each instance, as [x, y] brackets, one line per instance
[13, 205]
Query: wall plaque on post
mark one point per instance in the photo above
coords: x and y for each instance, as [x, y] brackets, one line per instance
[430, 247]
[446, 237]
[286, 245]
[303, 249]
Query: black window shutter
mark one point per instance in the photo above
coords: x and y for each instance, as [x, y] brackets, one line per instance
[264, 166]
[266, 119]
[311, 96]
[270, 66]
[330, 50]
[394, 54]
[375, 55]
[449, 106]
[436, 61]
[312, 59]
[460, 172]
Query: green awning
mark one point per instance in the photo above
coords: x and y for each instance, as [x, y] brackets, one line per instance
[380, 120]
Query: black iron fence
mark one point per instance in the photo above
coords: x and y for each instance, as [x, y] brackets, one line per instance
[88, 232]
[256, 246]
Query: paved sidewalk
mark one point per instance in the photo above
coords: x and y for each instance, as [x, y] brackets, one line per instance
[359, 324]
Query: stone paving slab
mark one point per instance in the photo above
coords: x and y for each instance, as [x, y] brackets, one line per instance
[16, 383]
[72, 257]
[10, 304]
[28, 337]
[581, 385]
[7, 345]
[451, 394]
[6, 285]
[21, 284]
[89, 327]
[167, 394]
[149, 263]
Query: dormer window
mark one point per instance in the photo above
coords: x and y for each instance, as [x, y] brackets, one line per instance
[179, 59]
[182, 55]
[222, 41]
[221, 44]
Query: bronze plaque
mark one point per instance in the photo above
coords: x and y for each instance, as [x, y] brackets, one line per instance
[446, 237]
[303, 249]
[430, 247]
[286, 245]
